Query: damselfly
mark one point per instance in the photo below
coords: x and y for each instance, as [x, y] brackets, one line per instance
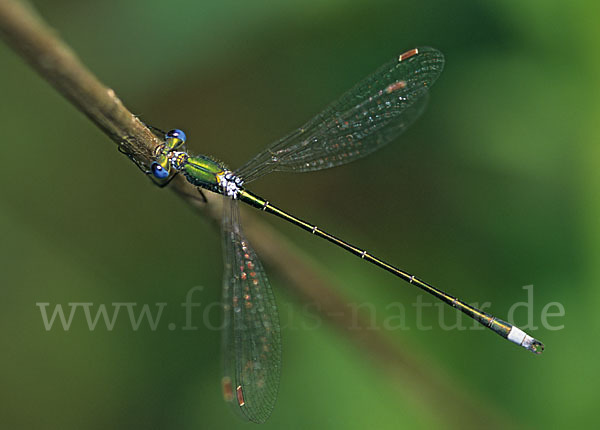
[364, 119]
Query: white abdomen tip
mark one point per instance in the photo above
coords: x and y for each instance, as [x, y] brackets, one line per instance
[521, 338]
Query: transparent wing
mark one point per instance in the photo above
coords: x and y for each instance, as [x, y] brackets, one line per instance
[251, 333]
[370, 115]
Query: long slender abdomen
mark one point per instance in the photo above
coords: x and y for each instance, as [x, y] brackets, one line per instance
[504, 329]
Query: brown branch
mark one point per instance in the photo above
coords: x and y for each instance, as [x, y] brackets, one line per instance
[39, 45]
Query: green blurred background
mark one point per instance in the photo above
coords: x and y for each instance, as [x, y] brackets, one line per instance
[493, 189]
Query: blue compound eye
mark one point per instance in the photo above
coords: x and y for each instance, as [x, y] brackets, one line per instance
[159, 171]
[176, 134]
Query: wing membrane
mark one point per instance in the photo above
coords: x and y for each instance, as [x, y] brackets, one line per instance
[251, 334]
[370, 115]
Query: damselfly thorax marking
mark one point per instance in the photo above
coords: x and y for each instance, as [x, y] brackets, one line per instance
[178, 159]
[230, 184]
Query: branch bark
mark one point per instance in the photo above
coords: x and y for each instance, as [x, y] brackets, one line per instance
[39, 45]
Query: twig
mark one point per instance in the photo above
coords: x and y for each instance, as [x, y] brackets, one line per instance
[55, 62]
[38, 45]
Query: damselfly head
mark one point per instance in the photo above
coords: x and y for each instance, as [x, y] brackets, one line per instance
[159, 171]
[174, 139]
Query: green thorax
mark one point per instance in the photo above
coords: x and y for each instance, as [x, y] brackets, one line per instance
[202, 171]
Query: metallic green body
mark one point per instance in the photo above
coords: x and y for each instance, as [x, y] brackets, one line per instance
[202, 172]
